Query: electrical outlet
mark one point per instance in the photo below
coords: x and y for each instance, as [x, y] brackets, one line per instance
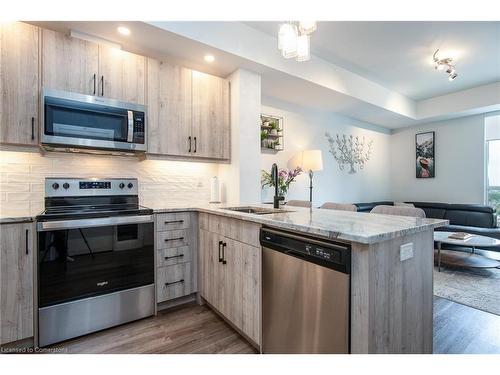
[406, 251]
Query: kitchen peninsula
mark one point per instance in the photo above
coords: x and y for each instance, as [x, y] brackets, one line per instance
[390, 286]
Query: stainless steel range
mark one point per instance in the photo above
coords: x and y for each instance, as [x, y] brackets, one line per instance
[95, 257]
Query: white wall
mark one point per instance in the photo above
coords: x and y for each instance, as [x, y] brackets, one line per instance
[459, 160]
[161, 182]
[305, 129]
[241, 178]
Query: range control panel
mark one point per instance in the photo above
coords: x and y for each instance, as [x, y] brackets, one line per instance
[77, 187]
[95, 184]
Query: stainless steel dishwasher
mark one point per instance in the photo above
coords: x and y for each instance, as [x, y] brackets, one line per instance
[305, 293]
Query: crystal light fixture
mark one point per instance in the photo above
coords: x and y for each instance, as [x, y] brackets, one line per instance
[303, 48]
[294, 40]
[307, 27]
[287, 39]
[446, 65]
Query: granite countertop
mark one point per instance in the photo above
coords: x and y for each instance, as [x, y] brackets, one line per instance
[345, 225]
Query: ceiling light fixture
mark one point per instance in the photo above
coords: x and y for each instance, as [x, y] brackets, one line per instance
[446, 65]
[209, 58]
[123, 30]
[294, 40]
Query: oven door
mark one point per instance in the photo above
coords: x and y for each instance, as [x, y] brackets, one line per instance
[86, 121]
[91, 257]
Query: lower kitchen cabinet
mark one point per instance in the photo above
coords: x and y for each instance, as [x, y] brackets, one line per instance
[230, 280]
[16, 281]
[173, 282]
[176, 263]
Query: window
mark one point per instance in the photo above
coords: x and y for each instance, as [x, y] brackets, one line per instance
[493, 176]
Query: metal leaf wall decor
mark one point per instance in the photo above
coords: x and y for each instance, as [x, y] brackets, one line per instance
[350, 150]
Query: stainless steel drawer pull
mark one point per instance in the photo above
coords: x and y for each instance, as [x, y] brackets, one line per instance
[174, 222]
[174, 239]
[175, 282]
[174, 256]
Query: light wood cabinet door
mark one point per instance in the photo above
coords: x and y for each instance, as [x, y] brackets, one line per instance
[211, 124]
[169, 109]
[242, 287]
[121, 75]
[69, 64]
[19, 83]
[212, 279]
[16, 281]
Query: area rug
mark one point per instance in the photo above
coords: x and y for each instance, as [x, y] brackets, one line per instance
[474, 287]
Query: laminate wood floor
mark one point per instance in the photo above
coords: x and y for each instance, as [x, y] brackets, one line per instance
[197, 329]
[460, 329]
[190, 329]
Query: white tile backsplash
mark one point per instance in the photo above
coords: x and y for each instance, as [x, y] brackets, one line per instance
[22, 177]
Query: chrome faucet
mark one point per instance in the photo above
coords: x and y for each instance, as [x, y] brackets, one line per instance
[274, 176]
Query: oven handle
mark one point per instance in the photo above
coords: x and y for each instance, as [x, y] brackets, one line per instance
[45, 226]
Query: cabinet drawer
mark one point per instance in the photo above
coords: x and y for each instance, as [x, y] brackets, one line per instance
[173, 282]
[235, 229]
[176, 255]
[173, 238]
[175, 220]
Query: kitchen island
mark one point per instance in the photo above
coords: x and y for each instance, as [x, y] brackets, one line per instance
[390, 289]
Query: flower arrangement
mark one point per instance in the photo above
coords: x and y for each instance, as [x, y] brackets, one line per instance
[285, 178]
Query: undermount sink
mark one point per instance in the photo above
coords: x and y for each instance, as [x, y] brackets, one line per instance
[257, 210]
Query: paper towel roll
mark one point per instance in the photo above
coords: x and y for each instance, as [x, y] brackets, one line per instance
[214, 190]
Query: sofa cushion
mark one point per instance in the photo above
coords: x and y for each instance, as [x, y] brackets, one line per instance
[432, 210]
[368, 206]
[470, 218]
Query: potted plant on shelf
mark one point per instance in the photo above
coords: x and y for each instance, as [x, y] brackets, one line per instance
[285, 178]
[273, 125]
[263, 138]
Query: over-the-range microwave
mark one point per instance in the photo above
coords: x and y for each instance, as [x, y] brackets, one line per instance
[77, 121]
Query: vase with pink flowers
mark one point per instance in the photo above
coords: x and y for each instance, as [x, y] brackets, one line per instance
[285, 178]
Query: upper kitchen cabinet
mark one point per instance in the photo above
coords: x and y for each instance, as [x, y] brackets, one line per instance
[210, 111]
[19, 83]
[122, 75]
[169, 109]
[69, 64]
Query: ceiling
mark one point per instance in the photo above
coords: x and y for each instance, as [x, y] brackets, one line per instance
[398, 55]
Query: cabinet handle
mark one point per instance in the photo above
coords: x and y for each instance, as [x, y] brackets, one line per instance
[175, 282]
[189, 144]
[102, 85]
[32, 128]
[27, 241]
[224, 253]
[174, 256]
[174, 239]
[174, 222]
[194, 144]
[220, 256]
[95, 79]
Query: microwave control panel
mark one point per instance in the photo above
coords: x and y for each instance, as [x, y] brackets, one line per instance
[139, 127]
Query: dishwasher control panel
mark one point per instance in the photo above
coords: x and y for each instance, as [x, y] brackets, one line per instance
[324, 253]
[331, 254]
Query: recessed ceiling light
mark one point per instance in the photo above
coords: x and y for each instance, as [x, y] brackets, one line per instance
[209, 58]
[123, 30]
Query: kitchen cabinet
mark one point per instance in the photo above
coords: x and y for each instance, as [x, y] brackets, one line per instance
[16, 281]
[19, 83]
[122, 75]
[188, 112]
[176, 263]
[69, 64]
[169, 109]
[211, 124]
[75, 65]
[230, 275]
